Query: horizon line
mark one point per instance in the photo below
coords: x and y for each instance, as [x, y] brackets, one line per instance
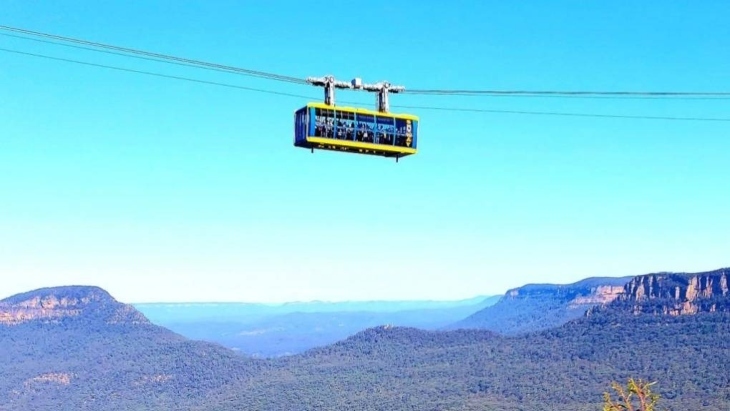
[319, 301]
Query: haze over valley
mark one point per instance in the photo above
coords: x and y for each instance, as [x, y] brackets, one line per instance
[270, 330]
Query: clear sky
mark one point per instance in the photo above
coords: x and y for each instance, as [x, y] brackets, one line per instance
[166, 190]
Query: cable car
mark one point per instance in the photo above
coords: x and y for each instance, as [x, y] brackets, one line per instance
[325, 126]
[355, 130]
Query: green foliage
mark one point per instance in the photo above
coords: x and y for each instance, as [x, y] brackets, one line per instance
[564, 368]
[112, 367]
[122, 367]
[636, 396]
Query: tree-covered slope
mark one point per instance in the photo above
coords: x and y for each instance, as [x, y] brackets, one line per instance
[72, 348]
[566, 368]
[73, 353]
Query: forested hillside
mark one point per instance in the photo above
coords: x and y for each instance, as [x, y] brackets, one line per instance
[566, 368]
[78, 348]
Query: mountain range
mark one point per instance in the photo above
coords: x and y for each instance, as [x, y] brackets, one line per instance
[72, 348]
[272, 330]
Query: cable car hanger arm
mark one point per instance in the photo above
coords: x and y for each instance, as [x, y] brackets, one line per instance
[330, 84]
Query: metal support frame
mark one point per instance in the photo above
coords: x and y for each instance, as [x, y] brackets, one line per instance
[330, 84]
[383, 89]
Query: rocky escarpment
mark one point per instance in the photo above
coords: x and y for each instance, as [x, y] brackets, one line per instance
[57, 304]
[602, 294]
[536, 307]
[590, 291]
[674, 294]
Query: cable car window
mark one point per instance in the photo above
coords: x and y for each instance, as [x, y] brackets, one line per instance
[350, 127]
[318, 123]
[400, 132]
[365, 124]
[324, 123]
[386, 130]
[305, 127]
[296, 127]
[344, 124]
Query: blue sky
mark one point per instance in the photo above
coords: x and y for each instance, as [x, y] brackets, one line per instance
[165, 190]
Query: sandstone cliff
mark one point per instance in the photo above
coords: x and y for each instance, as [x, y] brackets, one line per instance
[674, 294]
[584, 293]
[536, 307]
[67, 303]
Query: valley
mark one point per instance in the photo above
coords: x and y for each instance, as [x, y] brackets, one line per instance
[273, 330]
[78, 348]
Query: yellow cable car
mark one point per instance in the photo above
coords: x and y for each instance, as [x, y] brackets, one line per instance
[355, 130]
[324, 126]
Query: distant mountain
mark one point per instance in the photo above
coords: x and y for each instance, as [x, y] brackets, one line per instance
[535, 307]
[77, 348]
[274, 330]
[58, 305]
[252, 312]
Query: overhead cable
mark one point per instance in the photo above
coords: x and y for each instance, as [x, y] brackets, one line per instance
[149, 73]
[432, 92]
[454, 109]
[254, 73]
[121, 54]
[573, 93]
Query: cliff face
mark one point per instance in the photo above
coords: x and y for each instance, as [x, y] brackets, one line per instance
[603, 294]
[584, 293]
[535, 307]
[674, 294]
[58, 304]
